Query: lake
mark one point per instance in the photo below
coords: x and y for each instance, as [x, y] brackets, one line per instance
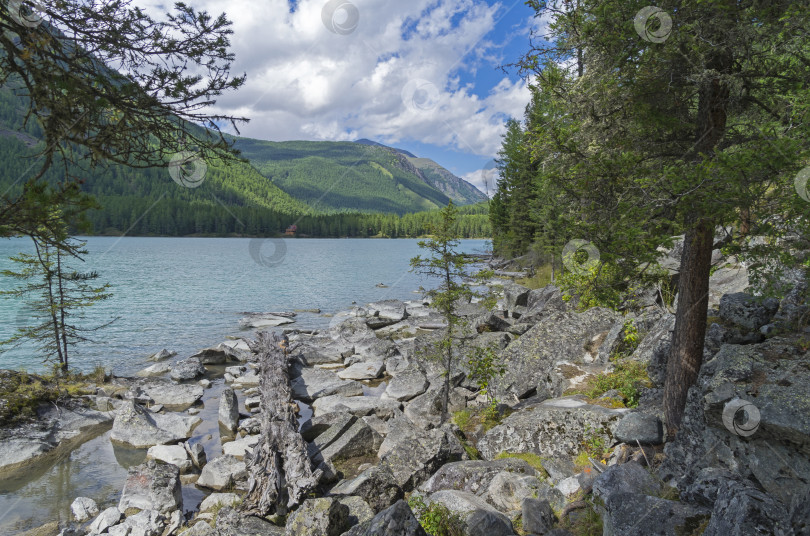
[184, 294]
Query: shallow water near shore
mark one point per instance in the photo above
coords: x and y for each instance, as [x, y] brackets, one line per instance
[184, 294]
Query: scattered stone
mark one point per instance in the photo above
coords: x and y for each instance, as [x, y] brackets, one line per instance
[319, 517]
[359, 510]
[228, 410]
[264, 320]
[317, 383]
[375, 485]
[363, 371]
[629, 514]
[83, 509]
[480, 519]
[152, 486]
[396, 520]
[197, 454]
[239, 447]
[356, 405]
[105, 520]
[406, 385]
[507, 490]
[537, 515]
[747, 311]
[219, 500]
[639, 427]
[171, 395]
[187, 369]
[136, 427]
[625, 478]
[158, 369]
[222, 472]
[474, 476]
[176, 455]
[161, 355]
[205, 384]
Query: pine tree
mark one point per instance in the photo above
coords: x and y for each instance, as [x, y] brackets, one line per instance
[56, 297]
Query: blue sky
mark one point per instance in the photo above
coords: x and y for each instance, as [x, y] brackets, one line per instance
[422, 75]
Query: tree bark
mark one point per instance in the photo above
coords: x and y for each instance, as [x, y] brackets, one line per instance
[690, 322]
[279, 469]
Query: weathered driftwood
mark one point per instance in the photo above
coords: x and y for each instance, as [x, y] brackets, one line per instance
[279, 470]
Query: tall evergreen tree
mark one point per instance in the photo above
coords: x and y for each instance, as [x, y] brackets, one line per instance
[660, 128]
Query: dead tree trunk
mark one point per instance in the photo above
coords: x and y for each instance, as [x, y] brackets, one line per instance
[279, 470]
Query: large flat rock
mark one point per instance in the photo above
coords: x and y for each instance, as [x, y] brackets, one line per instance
[555, 427]
[560, 337]
[174, 397]
[317, 383]
[356, 405]
[139, 428]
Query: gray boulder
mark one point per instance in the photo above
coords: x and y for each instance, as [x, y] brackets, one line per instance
[556, 427]
[222, 472]
[479, 518]
[176, 455]
[474, 476]
[356, 405]
[425, 411]
[161, 355]
[396, 520]
[727, 280]
[187, 369]
[365, 370]
[316, 383]
[83, 508]
[375, 485]
[412, 455]
[158, 369]
[136, 427]
[537, 516]
[144, 523]
[105, 520]
[640, 427]
[406, 385]
[230, 522]
[508, 490]
[741, 509]
[174, 397]
[747, 311]
[385, 312]
[152, 486]
[359, 439]
[359, 510]
[633, 514]
[229, 410]
[764, 437]
[625, 478]
[319, 517]
[560, 337]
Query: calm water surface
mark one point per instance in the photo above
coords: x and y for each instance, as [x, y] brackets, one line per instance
[188, 293]
[185, 294]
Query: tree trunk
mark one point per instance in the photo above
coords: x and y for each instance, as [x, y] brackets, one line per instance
[686, 354]
[690, 322]
[279, 468]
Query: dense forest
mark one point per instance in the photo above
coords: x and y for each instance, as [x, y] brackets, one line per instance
[236, 199]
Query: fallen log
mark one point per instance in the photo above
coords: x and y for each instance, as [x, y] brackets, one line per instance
[280, 472]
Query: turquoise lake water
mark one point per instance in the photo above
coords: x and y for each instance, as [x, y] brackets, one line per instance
[184, 294]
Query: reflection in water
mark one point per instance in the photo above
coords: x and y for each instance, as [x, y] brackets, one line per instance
[39, 497]
[96, 469]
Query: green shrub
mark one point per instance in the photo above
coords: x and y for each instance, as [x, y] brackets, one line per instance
[436, 519]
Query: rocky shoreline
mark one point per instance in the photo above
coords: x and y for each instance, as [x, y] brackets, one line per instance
[556, 461]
